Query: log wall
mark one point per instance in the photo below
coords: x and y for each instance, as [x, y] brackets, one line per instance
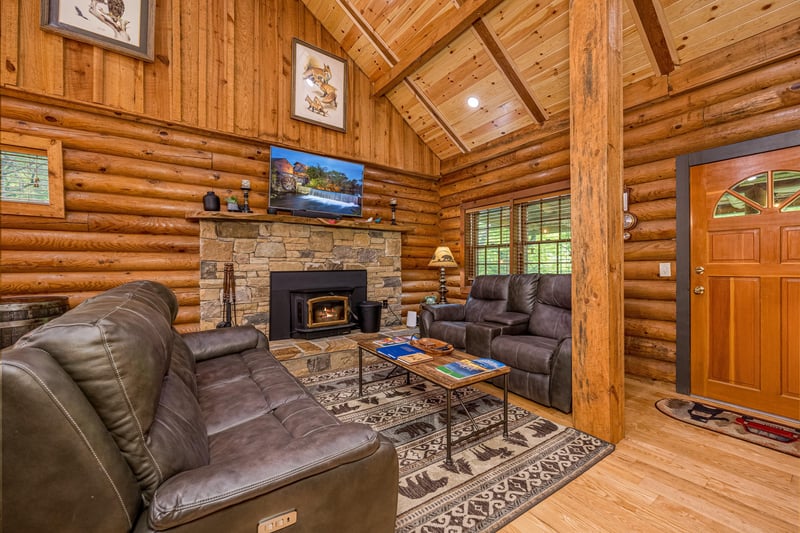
[713, 101]
[143, 142]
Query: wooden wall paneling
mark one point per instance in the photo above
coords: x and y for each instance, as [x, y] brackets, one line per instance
[9, 42]
[41, 53]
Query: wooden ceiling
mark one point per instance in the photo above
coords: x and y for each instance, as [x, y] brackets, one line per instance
[429, 56]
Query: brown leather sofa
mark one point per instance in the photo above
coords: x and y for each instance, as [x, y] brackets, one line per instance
[523, 320]
[113, 421]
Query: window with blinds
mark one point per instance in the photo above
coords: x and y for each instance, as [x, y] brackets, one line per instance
[544, 236]
[24, 176]
[488, 241]
[31, 176]
[537, 234]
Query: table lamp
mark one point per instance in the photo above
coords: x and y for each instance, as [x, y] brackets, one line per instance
[442, 258]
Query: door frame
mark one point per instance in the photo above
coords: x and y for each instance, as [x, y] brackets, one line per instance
[683, 237]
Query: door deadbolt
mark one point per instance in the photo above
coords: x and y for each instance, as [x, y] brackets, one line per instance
[699, 289]
[699, 270]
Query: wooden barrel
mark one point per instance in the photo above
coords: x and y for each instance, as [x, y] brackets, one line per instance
[19, 315]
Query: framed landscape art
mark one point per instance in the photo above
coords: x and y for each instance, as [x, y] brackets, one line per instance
[124, 26]
[319, 86]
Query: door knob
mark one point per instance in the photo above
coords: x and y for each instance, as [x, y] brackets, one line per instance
[699, 289]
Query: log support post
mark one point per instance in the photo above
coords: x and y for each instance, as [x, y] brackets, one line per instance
[595, 41]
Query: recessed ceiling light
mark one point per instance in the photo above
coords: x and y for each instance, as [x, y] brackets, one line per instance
[473, 102]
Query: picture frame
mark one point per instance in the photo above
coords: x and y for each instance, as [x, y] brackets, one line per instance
[124, 27]
[319, 86]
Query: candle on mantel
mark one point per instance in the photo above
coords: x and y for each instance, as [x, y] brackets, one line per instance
[245, 184]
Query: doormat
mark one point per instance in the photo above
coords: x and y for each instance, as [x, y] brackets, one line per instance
[769, 434]
[493, 479]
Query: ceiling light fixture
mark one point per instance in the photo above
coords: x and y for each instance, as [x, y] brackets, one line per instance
[473, 102]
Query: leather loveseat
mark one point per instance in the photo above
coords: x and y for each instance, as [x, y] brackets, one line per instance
[541, 357]
[496, 305]
[523, 320]
[113, 421]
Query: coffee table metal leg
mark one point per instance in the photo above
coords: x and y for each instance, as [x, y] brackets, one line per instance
[449, 460]
[360, 371]
[505, 405]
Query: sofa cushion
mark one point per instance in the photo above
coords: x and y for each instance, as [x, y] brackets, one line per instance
[488, 295]
[525, 352]
[552, 313]
[522, 292]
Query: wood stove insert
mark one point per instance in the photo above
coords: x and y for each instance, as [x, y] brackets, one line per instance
[314, 304]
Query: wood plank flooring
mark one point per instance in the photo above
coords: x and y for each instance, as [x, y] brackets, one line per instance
[667, 475]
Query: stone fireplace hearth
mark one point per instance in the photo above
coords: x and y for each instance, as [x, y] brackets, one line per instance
[260, 244]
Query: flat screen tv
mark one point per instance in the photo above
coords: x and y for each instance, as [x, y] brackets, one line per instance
[314, 185]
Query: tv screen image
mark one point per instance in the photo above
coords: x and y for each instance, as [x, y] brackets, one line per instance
[313, 183]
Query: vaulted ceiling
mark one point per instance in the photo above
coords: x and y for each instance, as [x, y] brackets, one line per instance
[429, 56]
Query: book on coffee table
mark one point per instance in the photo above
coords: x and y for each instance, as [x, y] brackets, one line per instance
[466, 367]
[414, 358]
[393, 351]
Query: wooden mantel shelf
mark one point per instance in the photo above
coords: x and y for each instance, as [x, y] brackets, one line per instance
[221, 216]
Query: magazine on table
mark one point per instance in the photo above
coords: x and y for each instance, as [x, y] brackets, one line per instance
[466, 367]
[393, 351]
[388, 341]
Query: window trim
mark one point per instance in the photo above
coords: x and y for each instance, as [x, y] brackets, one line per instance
[55, 171]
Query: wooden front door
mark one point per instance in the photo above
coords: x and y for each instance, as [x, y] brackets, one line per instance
[745, 217]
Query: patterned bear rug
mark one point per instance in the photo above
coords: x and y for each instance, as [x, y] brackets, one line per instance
[492, 480]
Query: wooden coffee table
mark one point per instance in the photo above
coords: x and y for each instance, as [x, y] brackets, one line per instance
[427, 371]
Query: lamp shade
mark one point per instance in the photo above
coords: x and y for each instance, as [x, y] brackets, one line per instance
[443, 257]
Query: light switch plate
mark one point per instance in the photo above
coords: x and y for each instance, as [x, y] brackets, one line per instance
[664, 270]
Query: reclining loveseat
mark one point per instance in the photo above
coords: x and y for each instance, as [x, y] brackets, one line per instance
[523, 320]
[112, 421]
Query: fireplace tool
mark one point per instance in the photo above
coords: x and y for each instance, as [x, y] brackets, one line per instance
[228, 296]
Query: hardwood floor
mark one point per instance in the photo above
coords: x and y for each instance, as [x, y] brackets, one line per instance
[666, 475]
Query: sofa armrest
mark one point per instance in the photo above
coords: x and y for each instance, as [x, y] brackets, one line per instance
[508, 318]
[479, 337]
[561, 376]
[213, 343]
[193, 494]
[430, 313]
[449, 312]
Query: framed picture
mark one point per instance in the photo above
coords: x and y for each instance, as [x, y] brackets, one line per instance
[319, 86]
[125, 26]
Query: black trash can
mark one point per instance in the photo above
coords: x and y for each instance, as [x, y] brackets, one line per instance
[369, 316]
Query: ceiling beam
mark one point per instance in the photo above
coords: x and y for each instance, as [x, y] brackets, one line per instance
[654, 32]
[368, 31]
[438, 118]
[500, 56]
[431, 40]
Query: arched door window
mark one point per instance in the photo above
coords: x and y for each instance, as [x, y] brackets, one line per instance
[767, 191]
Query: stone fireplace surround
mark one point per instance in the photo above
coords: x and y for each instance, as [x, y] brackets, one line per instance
[260, 244]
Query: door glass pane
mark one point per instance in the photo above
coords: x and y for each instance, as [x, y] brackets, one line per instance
[753, 188]
[786, 183]
[731, 206]
[793, 206]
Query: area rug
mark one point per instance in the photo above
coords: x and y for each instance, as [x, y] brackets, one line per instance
[769, 434]
[492, 480]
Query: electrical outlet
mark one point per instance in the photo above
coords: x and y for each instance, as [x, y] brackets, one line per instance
[664, 270]
[385, 304]
[274, 523]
